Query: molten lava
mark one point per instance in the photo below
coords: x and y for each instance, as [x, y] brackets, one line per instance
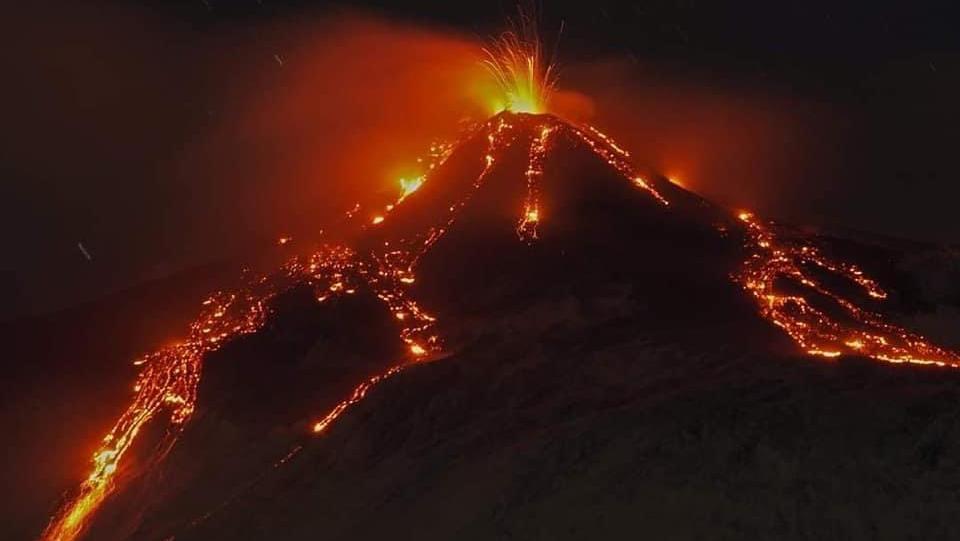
[527, 228]
[813, 329]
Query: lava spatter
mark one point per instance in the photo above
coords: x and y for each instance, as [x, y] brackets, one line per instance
[517, 62]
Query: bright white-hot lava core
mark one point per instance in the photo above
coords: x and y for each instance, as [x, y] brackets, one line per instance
[166, 388]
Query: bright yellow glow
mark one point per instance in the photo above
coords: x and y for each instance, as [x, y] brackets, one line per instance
[516, 61]
[377, 220]
[855, 344]
[409, 185]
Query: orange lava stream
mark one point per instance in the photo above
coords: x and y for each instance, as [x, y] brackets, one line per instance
[359, 393]
[497, 129]
[604, 147]
[170, 377]
[527, 228]
[167, 383]
[817, 332]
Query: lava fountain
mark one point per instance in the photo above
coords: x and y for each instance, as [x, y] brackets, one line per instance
[518, 63]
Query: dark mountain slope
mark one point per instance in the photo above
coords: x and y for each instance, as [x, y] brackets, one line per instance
[570, 422]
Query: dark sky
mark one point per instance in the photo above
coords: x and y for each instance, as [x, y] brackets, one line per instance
[128, 124]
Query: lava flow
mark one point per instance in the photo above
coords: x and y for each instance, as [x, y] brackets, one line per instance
[527, 228]
[170, 377]
[167, 384]
[812, 328]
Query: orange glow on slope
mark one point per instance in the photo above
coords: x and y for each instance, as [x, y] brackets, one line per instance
[811, 328]
[439, 152]
[358, 394]
[516, 61]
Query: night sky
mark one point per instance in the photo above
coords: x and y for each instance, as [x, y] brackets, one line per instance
[128, 124]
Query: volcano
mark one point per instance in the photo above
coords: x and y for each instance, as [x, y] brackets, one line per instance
[540, 340]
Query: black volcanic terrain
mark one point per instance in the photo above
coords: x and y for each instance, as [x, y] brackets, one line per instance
[609, 380]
